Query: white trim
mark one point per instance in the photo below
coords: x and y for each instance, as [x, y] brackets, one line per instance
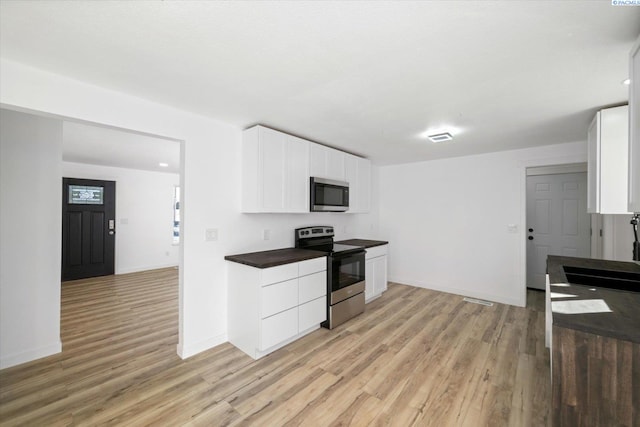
[191, 350]
[146, 268]
[30, 355]
[455, 291]
[523, 165]
[557, 169]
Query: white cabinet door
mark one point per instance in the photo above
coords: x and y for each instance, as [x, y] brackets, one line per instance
[278, 297]
[608, 157]
[272, 170]
[380, 275]
[325, 162]
[614, 160]
[312, 286]
[277, 274]
[275, 171]
[358, 175]
[593, 170]
[318, 160]
[369, 273]
[312, 313]
[375, 272]
[313, 265]
[335, 164]
[297, 178]
[364, 185]
[634, 129]
[278, 328]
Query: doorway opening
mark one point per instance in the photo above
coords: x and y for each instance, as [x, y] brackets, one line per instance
[557, 222]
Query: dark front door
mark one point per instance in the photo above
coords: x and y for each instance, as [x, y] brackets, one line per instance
[88, 228]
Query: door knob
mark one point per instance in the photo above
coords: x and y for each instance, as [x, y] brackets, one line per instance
[531, 230]
[530, 237]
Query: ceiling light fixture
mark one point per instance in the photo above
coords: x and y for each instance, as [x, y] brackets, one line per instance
[163, 165]
[440, 137]
[626, 82]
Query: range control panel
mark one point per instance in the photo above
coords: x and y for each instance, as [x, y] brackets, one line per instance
[317, 231]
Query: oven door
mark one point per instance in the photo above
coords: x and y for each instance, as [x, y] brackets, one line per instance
[346, 270]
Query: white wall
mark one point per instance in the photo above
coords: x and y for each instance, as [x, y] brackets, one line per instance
[144, 214]
[30, 229]
[617, 237]
[210, 181]
[447, 220]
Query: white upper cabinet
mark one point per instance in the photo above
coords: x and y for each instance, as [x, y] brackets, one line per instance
[276, 168]
[275, 171]
[634, 129]
[297, 174]
[358, 175]
[325, 162]
[608, 154]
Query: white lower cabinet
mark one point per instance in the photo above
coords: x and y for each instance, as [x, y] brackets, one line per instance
[278, 328]
[271, 307]
[278, 297]
[375, 272]
[312, 313]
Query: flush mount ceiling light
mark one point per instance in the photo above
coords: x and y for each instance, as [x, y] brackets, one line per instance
[440, 137]
[163, 165]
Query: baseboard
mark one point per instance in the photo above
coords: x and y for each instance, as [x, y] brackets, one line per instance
[185, 351]
[30, 355]
[145, 268]
[456, 291]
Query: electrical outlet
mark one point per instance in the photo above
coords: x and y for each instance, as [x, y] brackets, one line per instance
[266, 234]
[512, 228]
[211, 234]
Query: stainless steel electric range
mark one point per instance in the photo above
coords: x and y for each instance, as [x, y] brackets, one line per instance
[345, 273]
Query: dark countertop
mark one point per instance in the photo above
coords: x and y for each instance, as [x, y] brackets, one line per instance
[623, 322]
[363, 242]
[266, 259]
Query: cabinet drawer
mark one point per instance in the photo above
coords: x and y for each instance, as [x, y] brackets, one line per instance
[278, 328]
[279, 273]
[312, 266]
[279, 297]
[312, 286]
[376, 251]
[312, 313]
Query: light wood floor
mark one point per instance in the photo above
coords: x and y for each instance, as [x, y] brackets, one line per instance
[415, 357]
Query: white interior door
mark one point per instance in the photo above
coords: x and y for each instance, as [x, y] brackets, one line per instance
[557, 221]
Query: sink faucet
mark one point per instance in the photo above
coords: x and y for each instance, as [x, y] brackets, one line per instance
[636, 245]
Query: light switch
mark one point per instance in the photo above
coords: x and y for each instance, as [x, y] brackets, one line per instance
[512, 228]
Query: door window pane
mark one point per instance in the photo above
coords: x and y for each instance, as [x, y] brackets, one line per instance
[86, 195]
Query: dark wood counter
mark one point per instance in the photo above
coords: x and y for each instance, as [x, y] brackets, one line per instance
[595, 356]
[273, 258]
[363, 242]
[623, 322]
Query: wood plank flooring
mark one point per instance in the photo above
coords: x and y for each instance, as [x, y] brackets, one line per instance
[415, 358]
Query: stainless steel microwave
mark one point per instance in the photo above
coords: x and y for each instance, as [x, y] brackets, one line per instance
[328, 195]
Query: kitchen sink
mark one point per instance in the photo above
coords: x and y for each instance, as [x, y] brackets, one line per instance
[611, 279]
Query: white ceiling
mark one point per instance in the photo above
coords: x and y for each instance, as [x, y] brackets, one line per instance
[82, 143]
[368, 77]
